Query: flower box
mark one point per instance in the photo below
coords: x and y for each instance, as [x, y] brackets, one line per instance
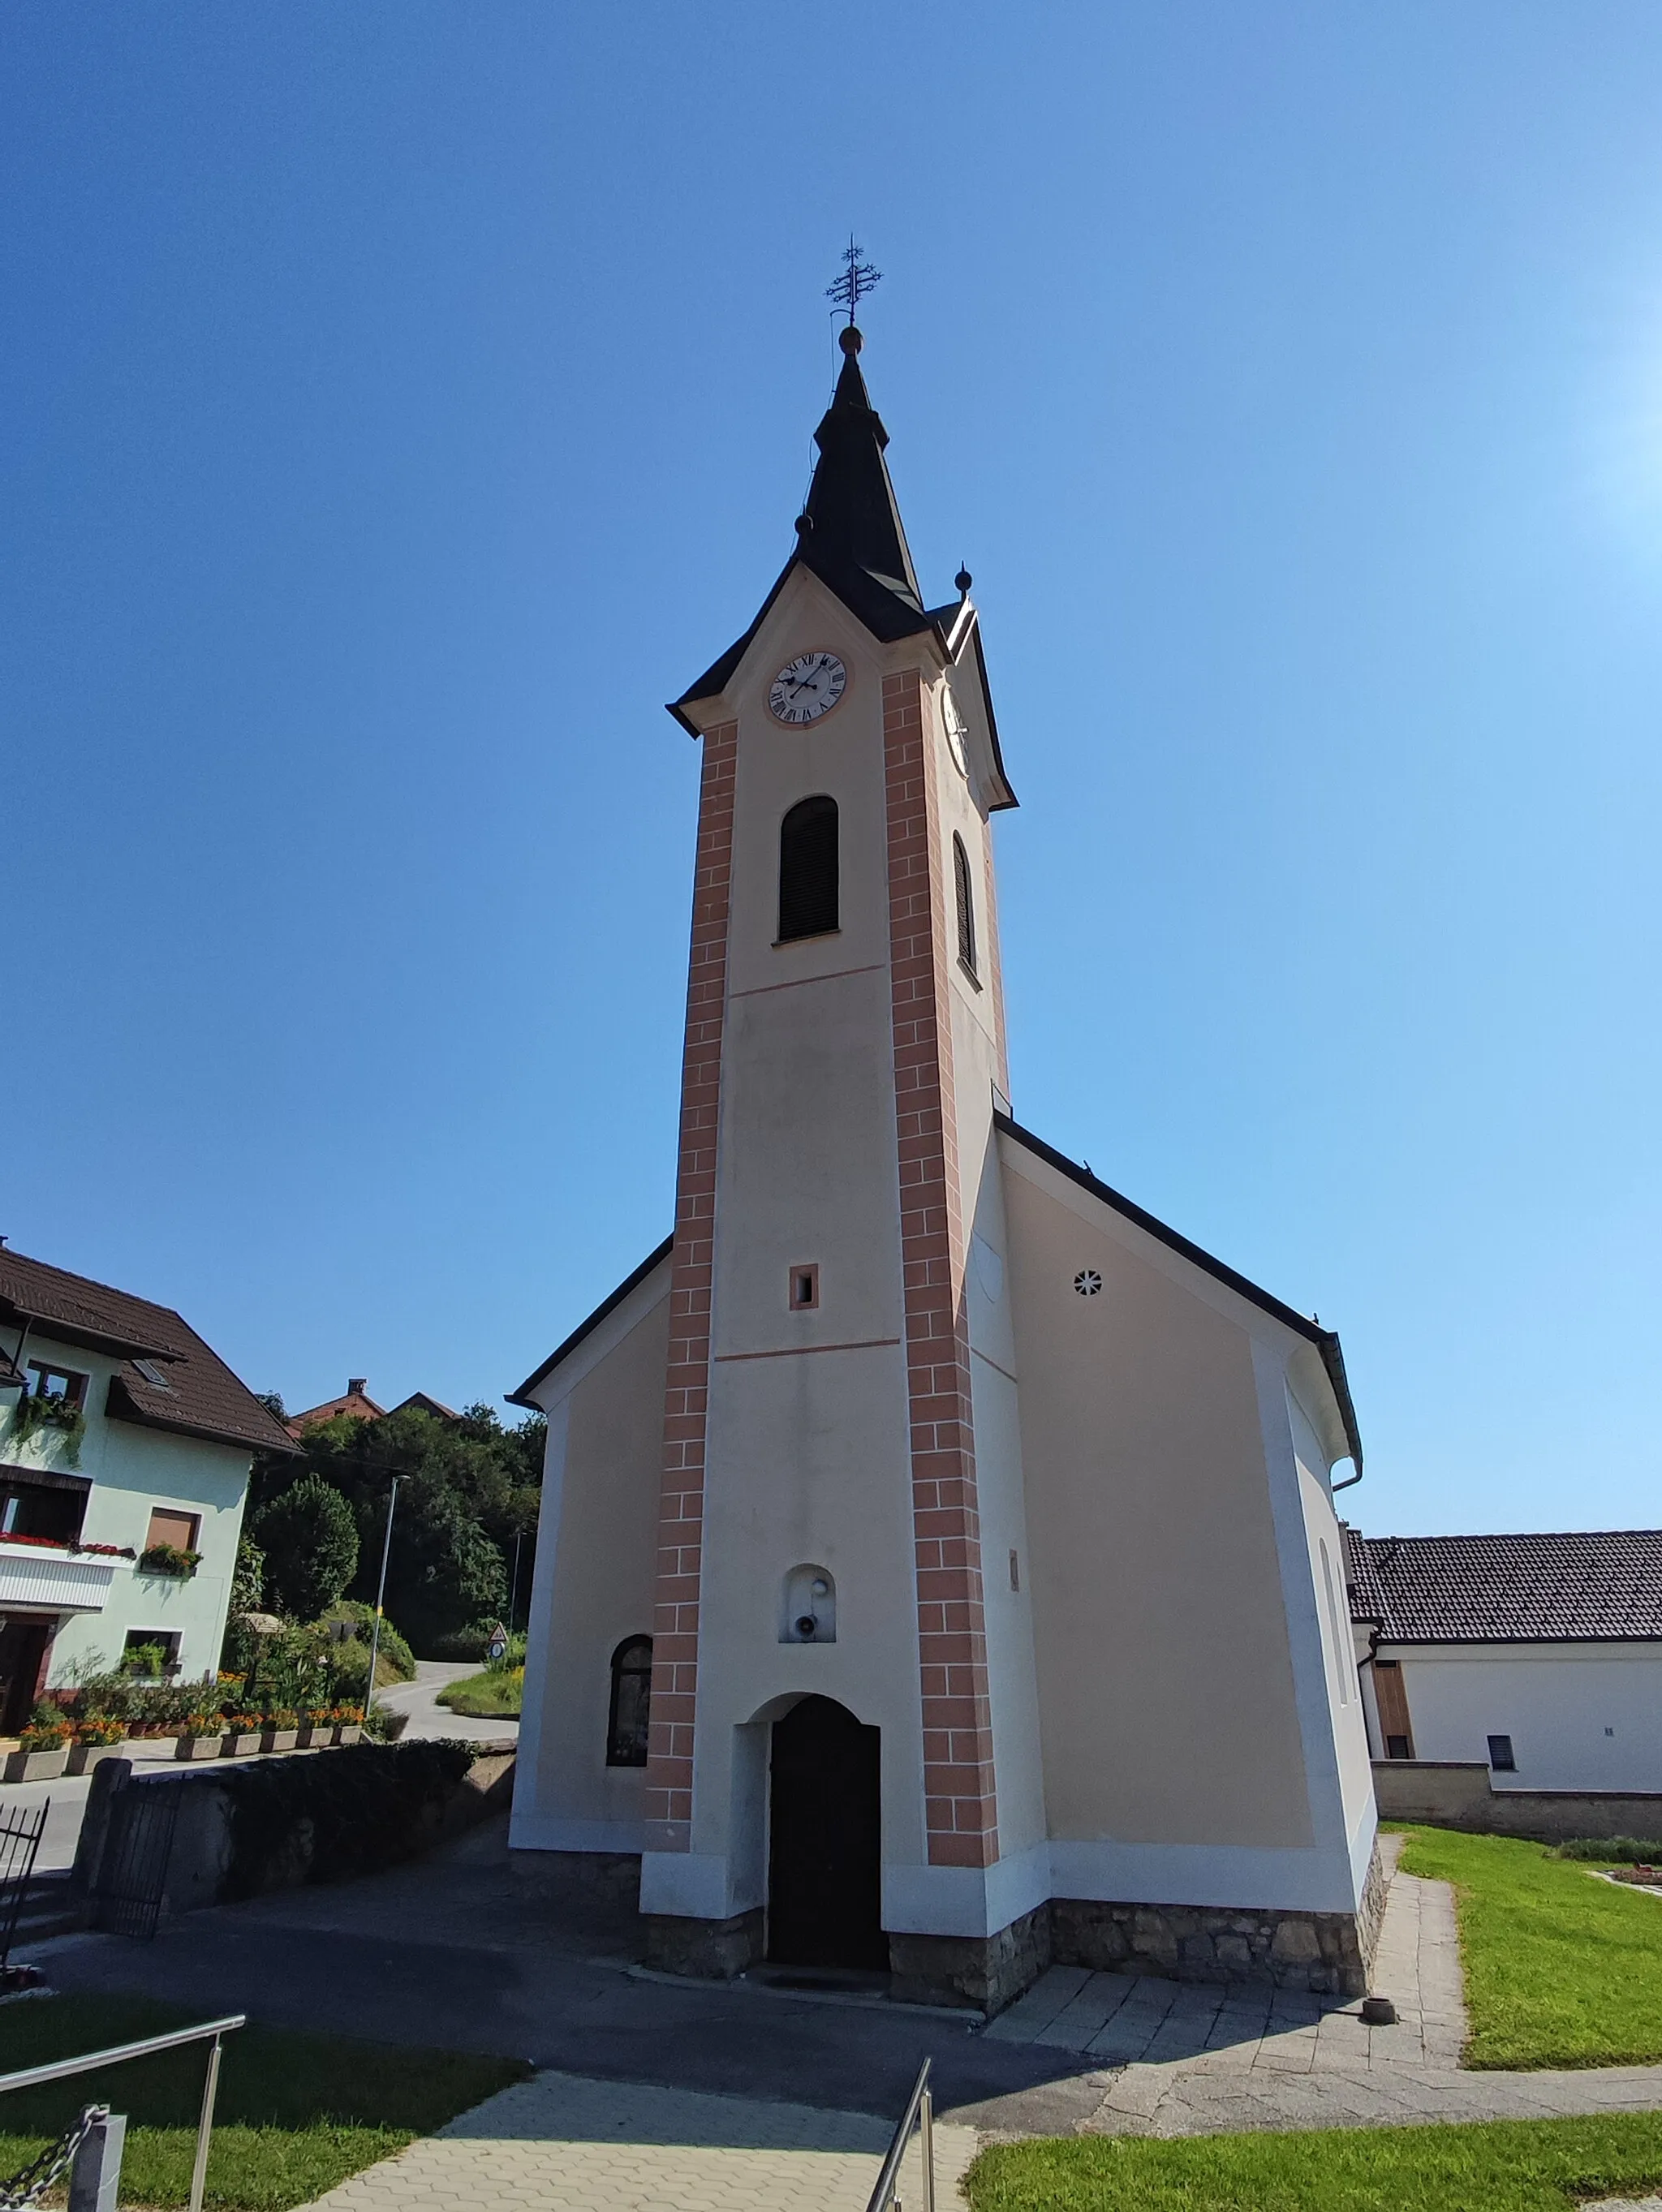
[278, 1739]
[198, 1746]
[311, 1733]
[83, 1757]
[348, 1732]
[239, 1743]
[35, 1765]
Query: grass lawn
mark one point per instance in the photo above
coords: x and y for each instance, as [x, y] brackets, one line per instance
[1499, 2165]
[296, 2113]
[1561, 1969]
[487, 1696]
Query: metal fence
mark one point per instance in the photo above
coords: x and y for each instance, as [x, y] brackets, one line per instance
[19, 1844]
[91, 2146]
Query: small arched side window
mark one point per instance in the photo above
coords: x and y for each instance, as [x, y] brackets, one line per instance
[632, 1699]
[966, 903]
[807, 869]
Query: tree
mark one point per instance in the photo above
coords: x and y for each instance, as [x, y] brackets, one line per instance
[469, 1491]
[311, 1544]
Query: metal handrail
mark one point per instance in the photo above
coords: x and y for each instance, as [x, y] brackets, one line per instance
[60, 2069]
[920, 2107]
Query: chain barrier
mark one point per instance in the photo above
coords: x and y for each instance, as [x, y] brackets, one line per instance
[26, 2188]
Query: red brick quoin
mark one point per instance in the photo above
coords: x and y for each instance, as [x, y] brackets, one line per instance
[960, 1799]
[686, 1387]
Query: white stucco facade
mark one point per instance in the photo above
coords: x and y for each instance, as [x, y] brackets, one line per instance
[122, 1475]
[1575, 1716]
[1075, 1537]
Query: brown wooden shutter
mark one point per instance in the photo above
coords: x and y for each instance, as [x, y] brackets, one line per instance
[1392, 1694]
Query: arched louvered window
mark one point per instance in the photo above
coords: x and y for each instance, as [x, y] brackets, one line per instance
[966, 903]
[807, 869]
[631, 1697]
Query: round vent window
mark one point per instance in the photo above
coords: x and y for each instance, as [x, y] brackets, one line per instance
[1087, 1282]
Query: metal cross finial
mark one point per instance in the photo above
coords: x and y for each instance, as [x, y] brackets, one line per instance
[858, 278]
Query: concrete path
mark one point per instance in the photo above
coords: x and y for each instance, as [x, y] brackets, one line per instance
[427, 1716]
[611, 2147]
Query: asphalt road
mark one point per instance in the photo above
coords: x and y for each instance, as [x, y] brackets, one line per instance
[473, 1948]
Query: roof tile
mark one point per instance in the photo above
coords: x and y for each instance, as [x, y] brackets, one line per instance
[1593, 1586]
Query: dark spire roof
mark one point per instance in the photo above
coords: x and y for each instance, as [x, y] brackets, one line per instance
[849, 533]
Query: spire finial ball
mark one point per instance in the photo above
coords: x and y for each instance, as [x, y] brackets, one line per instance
[849, 340]
[964, 580]
[804, 525]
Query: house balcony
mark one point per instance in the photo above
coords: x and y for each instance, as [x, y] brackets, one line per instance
[42, 1580]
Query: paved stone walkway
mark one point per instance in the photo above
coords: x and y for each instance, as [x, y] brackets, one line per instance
[621, 2147]
[1179, 2058]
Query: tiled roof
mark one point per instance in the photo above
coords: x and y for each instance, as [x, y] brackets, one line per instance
[358, 1405]
[196, 1394]
[1587, 1587]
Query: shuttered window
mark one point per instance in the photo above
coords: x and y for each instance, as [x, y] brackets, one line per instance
[966, 903]
[807, 869]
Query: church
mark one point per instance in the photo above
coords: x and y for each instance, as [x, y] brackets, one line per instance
[938, 1574]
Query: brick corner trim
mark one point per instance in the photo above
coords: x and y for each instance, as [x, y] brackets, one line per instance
[686, 1383]
[960, 1797]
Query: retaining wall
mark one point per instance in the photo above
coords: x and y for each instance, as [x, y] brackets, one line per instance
[1448, 1793]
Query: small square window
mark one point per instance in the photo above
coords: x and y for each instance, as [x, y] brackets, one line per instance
[168, 1526]
[1395, 1747]
[57, 1382]
[804, 1287]
[151, 1653]
[1500, 1755]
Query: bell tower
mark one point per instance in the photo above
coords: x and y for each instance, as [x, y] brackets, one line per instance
[844, 1057]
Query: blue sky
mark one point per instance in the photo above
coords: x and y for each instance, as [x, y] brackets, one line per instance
[399, 402]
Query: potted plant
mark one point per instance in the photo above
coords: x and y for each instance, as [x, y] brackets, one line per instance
[280, 1730]
[242, 1734]
[61, 1414]
[100, 1735]
[199, 1736]
[43, 1750]
[349, 1723]
[168, 1560]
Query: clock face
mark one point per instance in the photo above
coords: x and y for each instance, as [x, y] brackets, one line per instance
[809, 687]
[956, 733]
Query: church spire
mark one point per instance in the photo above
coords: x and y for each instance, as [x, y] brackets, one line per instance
[849, 533]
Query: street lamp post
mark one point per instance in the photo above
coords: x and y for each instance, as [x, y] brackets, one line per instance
[381, 1596]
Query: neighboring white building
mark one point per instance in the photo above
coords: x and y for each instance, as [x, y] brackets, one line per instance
[1539, 1655]
[166, 1437]
[938, 1569]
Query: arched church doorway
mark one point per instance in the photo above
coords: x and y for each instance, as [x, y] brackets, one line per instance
[825, 1854]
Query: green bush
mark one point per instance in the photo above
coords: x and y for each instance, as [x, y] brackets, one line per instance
[366, 1805]
[392, 1647]
[463, 1642]
[311, 1544]
[1611, 1850]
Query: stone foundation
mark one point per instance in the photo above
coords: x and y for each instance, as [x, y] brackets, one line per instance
[986, 1972]
[1323, 1952]
[708, 1950]
[613, 1877]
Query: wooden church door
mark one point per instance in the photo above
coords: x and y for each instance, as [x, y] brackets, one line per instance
[824, 1859]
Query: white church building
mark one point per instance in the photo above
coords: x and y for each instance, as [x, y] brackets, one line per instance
[939, 1573]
